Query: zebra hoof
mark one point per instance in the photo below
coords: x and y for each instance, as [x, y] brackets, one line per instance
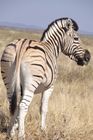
[43, 128]
[8, 138]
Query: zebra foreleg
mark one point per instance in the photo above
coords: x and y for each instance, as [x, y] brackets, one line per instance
[44, 106]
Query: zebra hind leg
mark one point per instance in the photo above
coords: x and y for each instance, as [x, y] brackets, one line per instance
[13, 126]
[23, 109]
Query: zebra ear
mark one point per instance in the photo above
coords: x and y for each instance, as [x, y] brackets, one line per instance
[72, 23]
[75, 25]
[69, 23]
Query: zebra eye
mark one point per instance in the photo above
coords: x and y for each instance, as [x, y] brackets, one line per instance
[75, 38]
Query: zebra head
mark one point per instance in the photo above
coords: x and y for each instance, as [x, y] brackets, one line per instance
[62, 36]
[72, 43]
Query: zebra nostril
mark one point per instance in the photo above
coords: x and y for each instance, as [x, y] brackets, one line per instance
[76, 38]
[87, 56]
[80, 61]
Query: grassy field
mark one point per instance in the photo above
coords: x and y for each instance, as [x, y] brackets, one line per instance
[70, 115]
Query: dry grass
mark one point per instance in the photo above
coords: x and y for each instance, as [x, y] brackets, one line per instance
[70, 115]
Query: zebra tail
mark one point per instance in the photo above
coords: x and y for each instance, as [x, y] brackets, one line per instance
[16, 93]
[13, 104]
[16, 84]
[16, 88]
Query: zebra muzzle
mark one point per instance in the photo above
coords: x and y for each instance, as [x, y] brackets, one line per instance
[84, 60]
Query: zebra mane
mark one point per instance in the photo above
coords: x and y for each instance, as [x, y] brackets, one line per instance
[75, 25]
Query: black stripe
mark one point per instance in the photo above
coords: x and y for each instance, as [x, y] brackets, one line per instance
[30, 42]
[21, 45]
[39, 66]
[29, 47]
[39, 76]
[23, 41]
[51, 59]
[65, 29]
[53, 39]
[57, 44]
[37, 47]
[54, 50]
[24, 103]
[34, 86]
[26, 100]
[50, 67]
[48, 47]
[11, 44]
[2, 71]
[6, 83]
[37, 82]
[50, 39]
[57, 36]
[5, 52]
[4, 77]
[51, 72]
[2, 60]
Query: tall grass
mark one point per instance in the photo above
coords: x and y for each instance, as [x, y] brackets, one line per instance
[70, 115]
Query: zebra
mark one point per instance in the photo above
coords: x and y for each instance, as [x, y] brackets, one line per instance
[29, 66]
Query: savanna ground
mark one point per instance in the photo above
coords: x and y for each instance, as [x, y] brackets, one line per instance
[70, 115]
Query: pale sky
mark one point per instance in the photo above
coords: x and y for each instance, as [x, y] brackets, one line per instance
[42, 12]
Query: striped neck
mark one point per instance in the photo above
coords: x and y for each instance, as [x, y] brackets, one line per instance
[53, 36]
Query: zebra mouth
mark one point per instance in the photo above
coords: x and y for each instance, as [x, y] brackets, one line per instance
[85, 60]
[81, 62]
